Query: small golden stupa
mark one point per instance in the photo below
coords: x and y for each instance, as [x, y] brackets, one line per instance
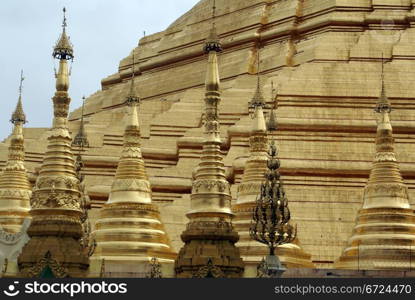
[209, 240]
[384, 234]
[128, 232]
[15, 189]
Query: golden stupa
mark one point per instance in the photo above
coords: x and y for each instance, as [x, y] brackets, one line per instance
[56, 231]
[15, 193]
[15, 189]
[209, 238]
[384, 235]
[129, 232]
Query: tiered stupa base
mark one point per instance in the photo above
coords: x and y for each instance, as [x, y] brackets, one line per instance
[383, 239]
[209, 251]
[54, 241]
[128, 237]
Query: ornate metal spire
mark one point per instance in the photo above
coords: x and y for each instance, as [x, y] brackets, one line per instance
[81, 139]
[272, 122]
[63, 48]
[258, 98]
[271, 215]
[18, 115]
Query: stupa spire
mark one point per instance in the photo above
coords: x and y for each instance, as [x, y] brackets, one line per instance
[15, 189]
[132, 97]
[129, 229]
[18, 115]
[272, 121]
[56, 211]
[81, 139]
[258, 99]
[210, 237]
[383, 237]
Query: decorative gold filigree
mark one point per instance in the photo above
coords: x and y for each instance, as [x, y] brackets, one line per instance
[131, 184]
[59, 181]
[387, 189]
[209, 271]
[385, 157]
[55, 200]
[205, 184]
[258, 143]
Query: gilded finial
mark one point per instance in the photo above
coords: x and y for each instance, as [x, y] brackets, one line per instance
[212, 42]
[63, 48]
[383, 104]
[18, 115]
[132, 98]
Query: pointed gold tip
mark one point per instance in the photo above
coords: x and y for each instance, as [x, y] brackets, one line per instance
[258, 99]
[81, 139]
[383, 105]
[18, 115]
[132, 97]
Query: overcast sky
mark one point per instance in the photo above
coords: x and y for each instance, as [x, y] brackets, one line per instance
[102, 31]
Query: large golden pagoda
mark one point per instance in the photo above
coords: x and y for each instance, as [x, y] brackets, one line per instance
[55, 247]
[324, 57]
[291, 254]
[209, 240]
[384, 235]
[129, 232]
[15, 189]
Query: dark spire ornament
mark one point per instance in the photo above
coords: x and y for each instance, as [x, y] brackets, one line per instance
[258, 99]
[81, 139]
[270, 224]
[271, 216]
